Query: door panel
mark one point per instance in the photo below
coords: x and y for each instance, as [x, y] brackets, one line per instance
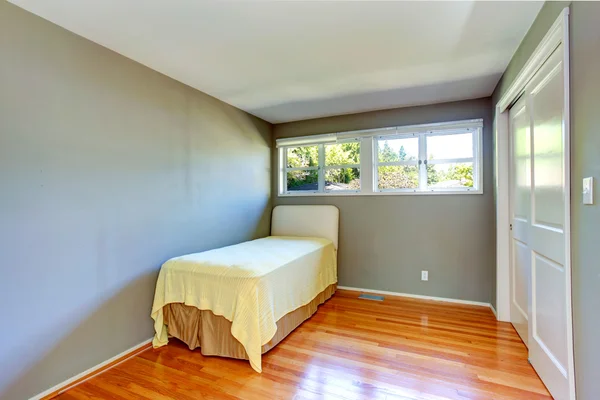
[548, 208]
[550, 306]
[521, 274]
[548, 344]
[547, 241]
[547, 100]
[521, 160]
[520, 127]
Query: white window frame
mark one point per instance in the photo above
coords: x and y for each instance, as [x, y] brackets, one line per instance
[321, 168]
[415, 163]
[369, 159]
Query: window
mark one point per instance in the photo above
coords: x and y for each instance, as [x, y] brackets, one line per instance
[425, 162]
[450, 161]
[302, 168]
[342, 166]
[397, 163]
[323, 168]
[425, 159]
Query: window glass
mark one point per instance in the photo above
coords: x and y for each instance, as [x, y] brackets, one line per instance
[444, 147]
[342, 153]
[398, 177]
[448, 176]
[307, 180]
[337, 179]
[395, 150]
[306, 156]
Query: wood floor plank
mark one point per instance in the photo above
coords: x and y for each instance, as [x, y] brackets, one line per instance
[398, 349]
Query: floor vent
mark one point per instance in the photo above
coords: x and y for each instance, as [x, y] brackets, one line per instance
[370, 297]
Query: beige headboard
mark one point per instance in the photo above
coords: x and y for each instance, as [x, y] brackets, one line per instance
[317, 221]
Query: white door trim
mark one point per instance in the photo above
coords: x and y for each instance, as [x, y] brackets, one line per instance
[558, 33]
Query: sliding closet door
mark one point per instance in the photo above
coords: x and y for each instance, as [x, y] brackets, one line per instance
[548, 321]
[520, 267]
[539, 291]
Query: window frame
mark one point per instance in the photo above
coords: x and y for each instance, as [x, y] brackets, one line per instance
[377, 163]
[476, 159]
[321, 169]
[288, 169]
[341, 166]
[369, 159]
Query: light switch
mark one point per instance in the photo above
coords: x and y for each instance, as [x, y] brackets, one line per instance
[588, 190]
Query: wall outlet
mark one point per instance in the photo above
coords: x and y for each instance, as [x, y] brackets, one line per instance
[424, 275]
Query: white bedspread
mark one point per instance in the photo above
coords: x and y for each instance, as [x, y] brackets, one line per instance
[251, 284]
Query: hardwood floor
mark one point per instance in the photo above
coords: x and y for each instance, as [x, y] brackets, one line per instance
[400, 348]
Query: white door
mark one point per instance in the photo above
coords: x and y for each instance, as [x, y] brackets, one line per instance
[540, 248]
[549, 350]
[520, 266]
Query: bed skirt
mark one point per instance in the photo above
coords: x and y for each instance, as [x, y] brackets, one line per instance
[212, 333]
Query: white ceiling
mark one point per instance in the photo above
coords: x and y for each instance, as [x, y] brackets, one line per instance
[285, 61]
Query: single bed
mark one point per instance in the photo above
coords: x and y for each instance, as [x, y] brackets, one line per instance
[240, 301]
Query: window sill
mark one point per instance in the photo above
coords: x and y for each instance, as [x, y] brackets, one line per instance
[407, 193]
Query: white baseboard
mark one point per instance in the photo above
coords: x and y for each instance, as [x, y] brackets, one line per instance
[418, 296]
[91, 371]
[493, 310]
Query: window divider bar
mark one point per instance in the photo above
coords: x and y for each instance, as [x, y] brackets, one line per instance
[291, 169]
[368, 162]
[398, 163]
[341, 166]
[451, 161]
[282, 170]
[401, 190]
[422, 162]
[321, 174]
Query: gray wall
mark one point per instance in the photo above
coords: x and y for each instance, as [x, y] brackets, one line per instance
[107, 169]
[385, 241]
[536, 33]
[585, 233]
[585, 161]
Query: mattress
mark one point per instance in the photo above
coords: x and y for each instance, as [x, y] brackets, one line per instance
[252, 285]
